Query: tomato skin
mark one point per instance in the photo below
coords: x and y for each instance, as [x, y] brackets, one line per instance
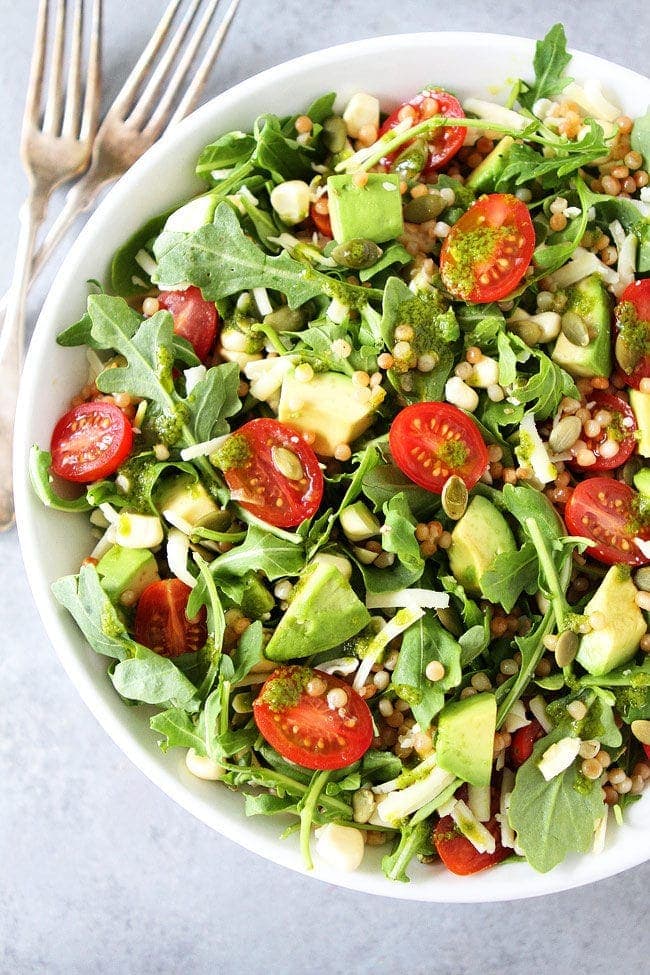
[459, 855]
[523, 740]
[626, 446]
[344, 737]
[258, 485]
[195, 319]
[479, 277]
[638, 294]
[161, 623]
[443, 143]
[607, 524]
[320, 220]
[417, 429]
[646, 749]
[77, 439]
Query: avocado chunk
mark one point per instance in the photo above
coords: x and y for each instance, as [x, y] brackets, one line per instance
[127, 569]
[479, 536]
[323, 613]
[642, 481]
[325, 406]
[373, 211]
[256, 600]
[465, 740]
[616, 642]
[188, 500]
[484, 178]
[590, 301]
[640, 403]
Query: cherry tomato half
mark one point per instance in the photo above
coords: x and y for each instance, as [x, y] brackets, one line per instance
[272, 472]
[602, 509]
[487, 251]
[619, 430]
[442, 143]
[195, 319]
[431, 441]
[636, 294]
[161, 623]
[646, 749]
[459, 855]
[523, 740]
[319, 213]
[90, 442]
[304, 728]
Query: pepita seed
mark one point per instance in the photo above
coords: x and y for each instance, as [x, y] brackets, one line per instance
[530, 332]
[574, 329]
[285, 319]
[642, 579]
[450, 621]
[566, 648]
[357, 253]
[335, 133]
[625, 356]
[565, 434]
[363, 805]
[242, 703]
[454, 497]
[424, 208]
[286, 462]
[641, 731]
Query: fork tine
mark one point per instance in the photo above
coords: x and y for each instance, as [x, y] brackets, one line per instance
[92, 97]
[141, 68]
[35, 85]
[196, 86]
[73, 86]
[52, 116]
[144, 104]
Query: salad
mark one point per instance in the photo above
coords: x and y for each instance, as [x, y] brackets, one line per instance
[365, 445]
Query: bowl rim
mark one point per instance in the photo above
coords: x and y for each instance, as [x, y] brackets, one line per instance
[165, 775]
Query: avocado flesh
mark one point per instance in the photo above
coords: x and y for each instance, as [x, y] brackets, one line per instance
[325, 406]
[616, 643]
[640, 403]
[126, 569]
[323, 613]
[256, 600]
[479, 536]
[484, 178]
[189, 500]
[590, 300]
[372, 210]
[465, 739]
[642, 481]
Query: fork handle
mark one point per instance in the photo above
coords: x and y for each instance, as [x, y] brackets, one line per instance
[32, 213]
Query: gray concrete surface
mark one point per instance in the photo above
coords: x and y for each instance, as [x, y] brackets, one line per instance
[100, 872]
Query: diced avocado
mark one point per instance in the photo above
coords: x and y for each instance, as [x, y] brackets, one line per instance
[358, 522]
[323, 613]
[127, 569]
[483, 179]
[256, 600]
[642, 481]
[465, 739]
[589, 300]
[326, 406]
[188, 500]
[479, 536]
[372, 210]
[640, 403]
[615, 643]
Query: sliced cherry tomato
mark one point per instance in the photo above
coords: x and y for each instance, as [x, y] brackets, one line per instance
[646, 749]
[272, 472]
[619, 430]
[161, 623]
[459, 855]
[307, 729]
[195, 319]
[431, 441]
[487, 251]
[629, 322]
[523, 740]
[320, 219]
[442, 143]
[602, 509]
[90, 442]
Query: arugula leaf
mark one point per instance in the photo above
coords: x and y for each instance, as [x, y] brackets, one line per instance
[179, 730]
[281, 156]
[40, 462]
[248, 652]
[126, 273]
[526, 164]
[532, 650]
[412, 840]
[94, 614]
[394, 254]
[543, 391]
[378, 766]
[509, 574]
[266, 804]
[384, 481]
[213, 400]
[149, 678]
[553, 819]
[640, 137]
[424, 641]
[549, 62]
[229, 150]
[398, 534]
[273, 556]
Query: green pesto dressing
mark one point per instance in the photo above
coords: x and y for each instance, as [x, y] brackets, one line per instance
[468, 252]
[284, 690]
[421, 312]
[453, 454]
[634, 332]
[234, 452]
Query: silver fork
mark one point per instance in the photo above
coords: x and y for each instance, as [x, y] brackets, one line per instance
[132, 125]
[54, 148]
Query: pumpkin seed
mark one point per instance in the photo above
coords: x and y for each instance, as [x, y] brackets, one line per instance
[285, 319]
[625, 356]
[574, 329]
[565, 434]
[424, 208]
[566, 648]
[286, 462]
[363, 805]
[357, 253]
[642, 579]
[530, 332]
[641, 731]
[335, 133]
[454, 497]
[450, 621]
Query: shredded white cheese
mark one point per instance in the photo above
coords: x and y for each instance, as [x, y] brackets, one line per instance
[480, 837]
[558, 757]
[412, 598]
[537, 706]
[178, 547]
[202, 449]
[193, 376]
[146, 262]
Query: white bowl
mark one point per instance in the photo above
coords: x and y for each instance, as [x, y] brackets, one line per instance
[54, 543]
